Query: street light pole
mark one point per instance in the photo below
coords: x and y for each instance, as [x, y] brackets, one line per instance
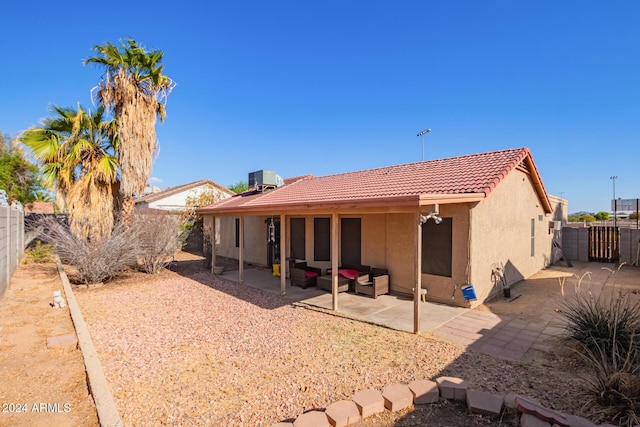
[422, 135]
[615, 204]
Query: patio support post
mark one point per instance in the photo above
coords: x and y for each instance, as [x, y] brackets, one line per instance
[334, 260]
[212, 236]
[283, 257]
[241, 250]
[418, 287]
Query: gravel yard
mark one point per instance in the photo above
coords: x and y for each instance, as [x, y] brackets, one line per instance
[195, 349]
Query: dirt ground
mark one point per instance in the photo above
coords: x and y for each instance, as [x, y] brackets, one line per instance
[40, 386]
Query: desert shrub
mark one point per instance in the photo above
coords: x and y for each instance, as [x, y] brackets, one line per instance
[610, 322]
[95, 261]
[160, 237]
[612, 383]
[40, 253]
[608, 330]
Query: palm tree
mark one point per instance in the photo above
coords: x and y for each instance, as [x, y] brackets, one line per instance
[77, 150]
[134, 87]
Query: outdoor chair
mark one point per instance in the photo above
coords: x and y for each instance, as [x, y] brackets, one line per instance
[374, 284]
[303, 275]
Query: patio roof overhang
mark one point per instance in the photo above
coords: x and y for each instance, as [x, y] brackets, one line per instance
[368, 205]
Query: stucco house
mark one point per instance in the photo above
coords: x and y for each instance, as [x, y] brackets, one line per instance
[492, 210]
[175, 198]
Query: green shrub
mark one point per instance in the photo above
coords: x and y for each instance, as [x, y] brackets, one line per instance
[40, 253]
[610, 322]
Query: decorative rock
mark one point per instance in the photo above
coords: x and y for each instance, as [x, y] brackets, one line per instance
[397, 397]
[424, 391]
[68, 341]
[282, 425]
[484, 403]
[312, 419]
[541, 412]
[528, 420]
[343, 413]
[369, 402]
[452, 388]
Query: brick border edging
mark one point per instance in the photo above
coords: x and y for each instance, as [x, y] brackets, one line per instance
[396, 397]
[108, 415]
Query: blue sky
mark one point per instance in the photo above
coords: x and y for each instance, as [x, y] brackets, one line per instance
[325, 87]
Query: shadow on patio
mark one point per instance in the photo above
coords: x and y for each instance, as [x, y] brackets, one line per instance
[392, 311]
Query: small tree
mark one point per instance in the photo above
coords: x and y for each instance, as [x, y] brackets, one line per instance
[602, 216]
[239, 187]
[193, 221]
[18, 176]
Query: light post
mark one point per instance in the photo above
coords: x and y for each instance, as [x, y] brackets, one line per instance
[422, 135]
[615, 204]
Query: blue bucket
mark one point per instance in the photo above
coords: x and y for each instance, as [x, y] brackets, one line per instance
[469, 293]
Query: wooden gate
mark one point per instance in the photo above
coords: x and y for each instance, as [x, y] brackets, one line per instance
[604, 244]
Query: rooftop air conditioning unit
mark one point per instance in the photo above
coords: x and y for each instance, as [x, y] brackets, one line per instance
[263, 179]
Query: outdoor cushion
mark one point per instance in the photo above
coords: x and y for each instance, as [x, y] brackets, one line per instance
[311, 274]
[349, 274]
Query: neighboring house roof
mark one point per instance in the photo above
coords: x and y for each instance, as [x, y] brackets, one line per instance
[39, 207]
[456, 179]
[159, 195]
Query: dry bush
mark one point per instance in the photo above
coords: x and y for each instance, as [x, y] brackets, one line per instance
[96, 262]
[160, 237]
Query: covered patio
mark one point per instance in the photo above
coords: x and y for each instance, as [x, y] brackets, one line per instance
[392, 311]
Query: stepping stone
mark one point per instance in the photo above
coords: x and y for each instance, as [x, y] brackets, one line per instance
[528, 420]
[452, 388]
[369, 402]
[424, 391]
[397, 397]
[484, 403]
[343, 413]
[67, 342]
[312, 419]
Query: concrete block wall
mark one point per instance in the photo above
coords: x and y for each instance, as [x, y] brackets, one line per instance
[11, 243]
[575, 244]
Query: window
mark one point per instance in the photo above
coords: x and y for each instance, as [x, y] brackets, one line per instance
[298, 238]
[533, 237]
[350, 240]
[437, 247]
[322, 239]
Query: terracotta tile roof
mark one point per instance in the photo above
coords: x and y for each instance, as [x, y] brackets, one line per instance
[39, 207]
[152, 197]
[464, 175]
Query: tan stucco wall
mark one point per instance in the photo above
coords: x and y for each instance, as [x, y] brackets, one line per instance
[255, 238]
[447, 289]
[501, 233]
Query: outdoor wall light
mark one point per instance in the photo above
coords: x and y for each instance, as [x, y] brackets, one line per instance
[433, 216]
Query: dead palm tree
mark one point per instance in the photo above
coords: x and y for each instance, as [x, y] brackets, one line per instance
[77, 152]
[134, 87]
